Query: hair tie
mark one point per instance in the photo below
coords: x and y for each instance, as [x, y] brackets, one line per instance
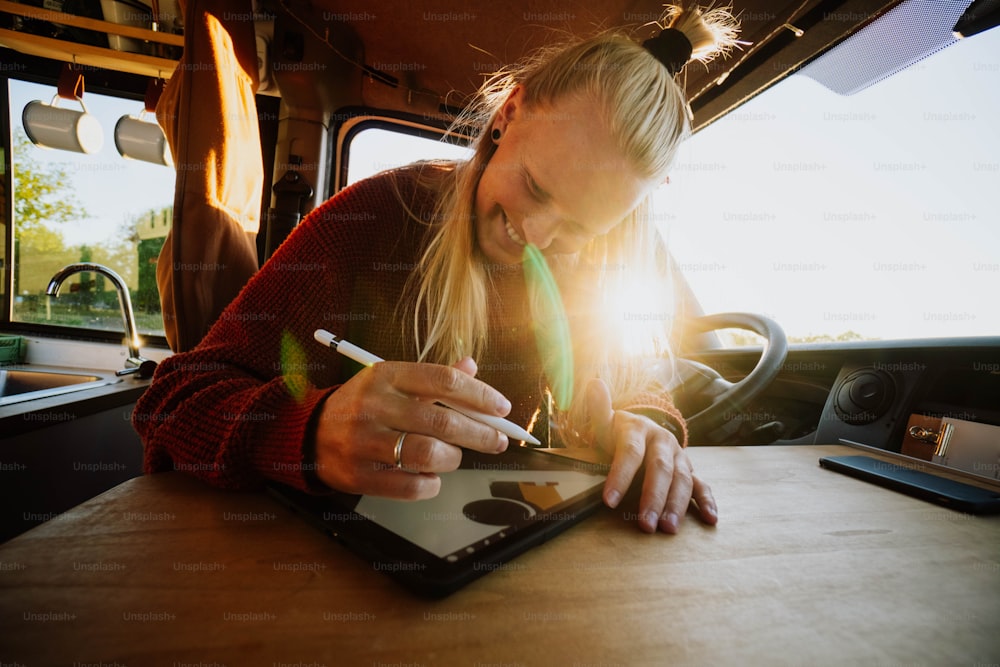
[693, 34]
[672, 48]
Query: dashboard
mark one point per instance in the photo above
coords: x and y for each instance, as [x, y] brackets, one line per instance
[863, 392]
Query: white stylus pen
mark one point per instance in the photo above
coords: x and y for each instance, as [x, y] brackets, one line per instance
[366, 358]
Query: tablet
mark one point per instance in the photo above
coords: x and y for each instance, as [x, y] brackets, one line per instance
[906, 478]
[491, 509]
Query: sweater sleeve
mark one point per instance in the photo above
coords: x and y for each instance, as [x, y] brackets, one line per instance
[238, 409]
[661, 409]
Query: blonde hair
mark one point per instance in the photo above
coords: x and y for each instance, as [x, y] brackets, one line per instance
[646, 113]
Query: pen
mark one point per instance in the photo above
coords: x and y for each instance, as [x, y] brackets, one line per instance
[366, 358]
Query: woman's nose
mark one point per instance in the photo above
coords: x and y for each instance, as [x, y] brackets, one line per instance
[540, 230]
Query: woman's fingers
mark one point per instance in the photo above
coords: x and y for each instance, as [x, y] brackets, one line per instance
[629, 445]
[433, 382]
[400, 397]
[409, 403]
[708, 510]
[467, 365]
[362, 422]
[678, 498]
[418, 453]
[395, 483]
[669, 485]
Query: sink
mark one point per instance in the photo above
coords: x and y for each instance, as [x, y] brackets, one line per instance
[27, 384]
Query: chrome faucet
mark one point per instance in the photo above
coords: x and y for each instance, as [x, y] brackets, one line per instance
[135, 363]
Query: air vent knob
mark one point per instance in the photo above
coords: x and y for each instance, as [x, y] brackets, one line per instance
[864, 396]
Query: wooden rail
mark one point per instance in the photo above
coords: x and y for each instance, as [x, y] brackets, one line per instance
[87, 54]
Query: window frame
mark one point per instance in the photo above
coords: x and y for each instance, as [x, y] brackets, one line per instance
[45, 72]
[351, 121]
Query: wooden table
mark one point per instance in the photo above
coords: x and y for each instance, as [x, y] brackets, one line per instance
[806, 566]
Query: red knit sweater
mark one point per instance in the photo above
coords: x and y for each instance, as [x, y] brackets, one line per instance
[238, 409]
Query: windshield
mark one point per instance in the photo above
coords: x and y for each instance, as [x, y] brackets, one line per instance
[869, 216]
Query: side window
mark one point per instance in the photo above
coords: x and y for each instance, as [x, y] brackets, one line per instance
[374, 149]
[95, 207]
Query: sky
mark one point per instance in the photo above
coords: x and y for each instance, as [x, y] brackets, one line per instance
[874, 213]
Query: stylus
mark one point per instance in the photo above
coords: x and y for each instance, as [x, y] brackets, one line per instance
[366, 358]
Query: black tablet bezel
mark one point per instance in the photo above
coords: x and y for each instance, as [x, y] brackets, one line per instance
[421, 571]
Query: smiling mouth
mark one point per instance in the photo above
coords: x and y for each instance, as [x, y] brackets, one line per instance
[512, 233]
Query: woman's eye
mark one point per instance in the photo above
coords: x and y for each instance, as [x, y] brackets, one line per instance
[533, 189]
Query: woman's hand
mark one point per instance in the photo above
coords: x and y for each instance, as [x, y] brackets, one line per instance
[362, 421]
[670, 484]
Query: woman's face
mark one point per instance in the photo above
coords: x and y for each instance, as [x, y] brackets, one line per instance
[557, 180]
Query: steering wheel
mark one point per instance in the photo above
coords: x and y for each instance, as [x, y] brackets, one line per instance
[696, 383]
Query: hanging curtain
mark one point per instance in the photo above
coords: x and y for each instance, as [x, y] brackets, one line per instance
[208, 114]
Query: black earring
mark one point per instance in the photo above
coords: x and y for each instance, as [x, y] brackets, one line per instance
[495, 134]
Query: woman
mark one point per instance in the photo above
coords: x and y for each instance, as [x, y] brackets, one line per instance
[423, 266]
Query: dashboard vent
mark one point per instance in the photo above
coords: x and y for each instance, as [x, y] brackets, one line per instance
[864, 396]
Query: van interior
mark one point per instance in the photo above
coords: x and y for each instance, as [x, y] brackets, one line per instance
[831, 220]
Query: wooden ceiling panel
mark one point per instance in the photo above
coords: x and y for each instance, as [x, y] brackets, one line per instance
[441, 50]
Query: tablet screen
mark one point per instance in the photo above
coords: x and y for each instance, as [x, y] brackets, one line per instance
[478, 507]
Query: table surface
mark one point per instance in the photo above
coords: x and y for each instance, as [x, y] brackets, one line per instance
[806, 566]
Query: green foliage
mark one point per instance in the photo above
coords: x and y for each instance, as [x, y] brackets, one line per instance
[45, 198]
[741, 338]
[41, 195]
[844, 337]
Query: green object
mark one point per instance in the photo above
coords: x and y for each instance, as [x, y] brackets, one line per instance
[12, 349]
[294, 364]
[555, 346]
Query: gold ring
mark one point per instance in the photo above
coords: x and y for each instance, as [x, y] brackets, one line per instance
[397, 451]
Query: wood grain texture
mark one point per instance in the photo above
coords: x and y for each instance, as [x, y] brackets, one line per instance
[85, 54]
[806, 566]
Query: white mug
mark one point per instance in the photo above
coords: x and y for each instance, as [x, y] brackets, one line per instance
[50, 126]
[142, 140]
